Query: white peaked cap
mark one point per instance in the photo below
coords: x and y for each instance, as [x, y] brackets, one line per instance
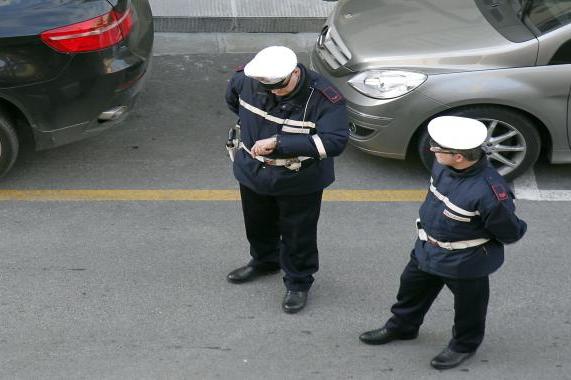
[272, 64]
[457, 132]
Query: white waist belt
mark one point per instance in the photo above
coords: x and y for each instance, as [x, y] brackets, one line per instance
[290, 163]
[450, 245]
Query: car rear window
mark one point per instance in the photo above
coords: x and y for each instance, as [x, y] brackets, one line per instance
[547, 15]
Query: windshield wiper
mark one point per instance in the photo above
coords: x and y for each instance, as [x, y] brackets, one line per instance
[525, 7]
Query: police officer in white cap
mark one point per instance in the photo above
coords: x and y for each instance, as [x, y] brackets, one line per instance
[292, 123]
[466, 219]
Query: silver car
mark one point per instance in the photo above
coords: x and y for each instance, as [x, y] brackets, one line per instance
[400, 63]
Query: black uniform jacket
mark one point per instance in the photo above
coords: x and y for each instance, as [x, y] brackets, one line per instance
[465, 205]
[309, 122]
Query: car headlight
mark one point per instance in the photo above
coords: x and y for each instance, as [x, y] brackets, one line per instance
[386, 84]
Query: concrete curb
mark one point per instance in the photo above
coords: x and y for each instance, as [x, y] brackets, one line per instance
[240, 16]
[218, 43]
[168, 24]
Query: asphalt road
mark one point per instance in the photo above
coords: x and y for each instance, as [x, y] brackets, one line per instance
[136, 289]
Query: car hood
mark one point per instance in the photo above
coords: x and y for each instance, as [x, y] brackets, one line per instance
[448, 35]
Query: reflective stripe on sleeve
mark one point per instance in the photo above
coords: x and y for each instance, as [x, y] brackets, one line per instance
[319, 146]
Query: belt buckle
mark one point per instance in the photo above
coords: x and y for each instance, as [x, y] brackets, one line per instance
[447, 245]
[293, 164]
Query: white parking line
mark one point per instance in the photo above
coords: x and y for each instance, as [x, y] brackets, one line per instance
[525, 187]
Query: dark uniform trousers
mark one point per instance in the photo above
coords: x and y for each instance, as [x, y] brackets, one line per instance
[282, 231]
[417, 292]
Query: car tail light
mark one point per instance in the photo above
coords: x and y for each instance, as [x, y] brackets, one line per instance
[95, 34]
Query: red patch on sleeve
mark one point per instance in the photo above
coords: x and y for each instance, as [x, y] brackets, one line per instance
[332, 94]
[500, 192]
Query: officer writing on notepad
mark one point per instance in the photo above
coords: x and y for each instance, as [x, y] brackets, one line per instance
[292, 123]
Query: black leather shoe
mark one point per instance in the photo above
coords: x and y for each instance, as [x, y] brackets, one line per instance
[248, 273]
[294, 301]
[449, 359]
[383, 336]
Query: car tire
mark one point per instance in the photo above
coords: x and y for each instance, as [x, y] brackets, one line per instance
[512, 146]
[8, 143]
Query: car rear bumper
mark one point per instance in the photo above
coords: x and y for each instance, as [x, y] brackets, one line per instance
[94, 108]
[51, 138]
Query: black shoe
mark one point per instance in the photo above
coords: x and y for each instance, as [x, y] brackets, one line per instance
[449, 359]
[249, 273]
[383, 336]
[294, 301]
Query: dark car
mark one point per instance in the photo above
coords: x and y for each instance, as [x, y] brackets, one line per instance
[68, 69]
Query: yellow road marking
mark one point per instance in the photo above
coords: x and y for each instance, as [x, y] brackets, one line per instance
[198, 195]
[374, 195]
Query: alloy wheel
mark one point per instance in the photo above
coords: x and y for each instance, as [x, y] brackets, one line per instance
[505, 146]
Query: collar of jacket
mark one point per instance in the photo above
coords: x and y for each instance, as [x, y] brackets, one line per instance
[477, 168]
[300, 93]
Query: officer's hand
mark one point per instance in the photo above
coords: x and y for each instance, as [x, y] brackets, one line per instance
[264, 147]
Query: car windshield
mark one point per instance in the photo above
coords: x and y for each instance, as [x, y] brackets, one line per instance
[546, 15]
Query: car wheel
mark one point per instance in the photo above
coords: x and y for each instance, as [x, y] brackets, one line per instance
[513, 143]
[8, 144]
